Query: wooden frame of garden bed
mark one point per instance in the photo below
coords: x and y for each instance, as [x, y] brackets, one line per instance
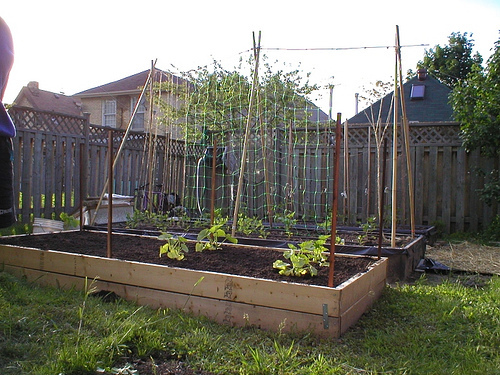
[230, 299]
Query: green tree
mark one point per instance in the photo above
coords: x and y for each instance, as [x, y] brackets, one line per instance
[476, 105]
[218, 99]
[453, 62]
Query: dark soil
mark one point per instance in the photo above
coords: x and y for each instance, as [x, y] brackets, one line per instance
[236, 260]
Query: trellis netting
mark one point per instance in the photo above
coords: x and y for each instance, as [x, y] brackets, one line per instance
[289, 150]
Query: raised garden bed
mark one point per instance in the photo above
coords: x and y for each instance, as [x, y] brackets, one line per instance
[224, 297]
[403, 259]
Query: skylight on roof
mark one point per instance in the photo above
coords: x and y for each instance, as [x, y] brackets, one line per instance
[417, 92]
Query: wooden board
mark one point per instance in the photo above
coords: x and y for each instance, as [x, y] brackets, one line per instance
[231, 299]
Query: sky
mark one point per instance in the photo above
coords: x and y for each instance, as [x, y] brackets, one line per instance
[70, 46]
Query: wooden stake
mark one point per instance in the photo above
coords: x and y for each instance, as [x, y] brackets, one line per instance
[151, 154]
[213, 185]
[406, 134]
[247, 135]
[289, 192]
[263, 136]
[136, 108]
[333, 245]
[395, 158]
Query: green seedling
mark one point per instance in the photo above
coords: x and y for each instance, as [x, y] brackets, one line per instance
[212, 238]
[251, 225]
[303, 258]
[287, 218]
[175, 247]
[69, 221]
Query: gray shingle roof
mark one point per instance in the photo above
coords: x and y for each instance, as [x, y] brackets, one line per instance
[434, 107]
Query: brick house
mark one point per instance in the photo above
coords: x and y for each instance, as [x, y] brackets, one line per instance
[112, 104]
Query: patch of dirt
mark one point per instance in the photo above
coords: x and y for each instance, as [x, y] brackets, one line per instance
[237, 260]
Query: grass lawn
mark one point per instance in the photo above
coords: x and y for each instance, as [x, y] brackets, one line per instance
[448, 328]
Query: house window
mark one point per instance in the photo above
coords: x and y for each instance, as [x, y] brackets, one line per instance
[109, 113]
[138, 123]
[417, 92]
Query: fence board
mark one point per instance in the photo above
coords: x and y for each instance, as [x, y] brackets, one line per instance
[47, 171]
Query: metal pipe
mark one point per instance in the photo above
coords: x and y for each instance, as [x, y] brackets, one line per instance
[109, 251]
[381, 212]
[334, 203]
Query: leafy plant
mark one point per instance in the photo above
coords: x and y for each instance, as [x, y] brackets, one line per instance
[69, 221]
[492, 232]
[326, 225]
[303, 258]
[175, 247]
[368, 230]
[156, 220]
[212, 238]
[287, 218]
[248, 225]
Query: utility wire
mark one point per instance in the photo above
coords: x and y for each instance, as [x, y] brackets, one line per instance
[334, 48]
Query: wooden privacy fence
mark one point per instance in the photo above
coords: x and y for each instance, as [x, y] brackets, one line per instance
[299, 165]
[58, 158]
[445, 177]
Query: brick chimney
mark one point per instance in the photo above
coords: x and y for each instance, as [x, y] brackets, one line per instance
[33, 87]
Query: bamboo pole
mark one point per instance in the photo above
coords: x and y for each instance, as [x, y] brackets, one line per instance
[247, 135]
[395, 157]
[263, 136]
[289, 193]
[129, 126]
[213, 185]
[406, 133]
[151, 154]
[333, 237]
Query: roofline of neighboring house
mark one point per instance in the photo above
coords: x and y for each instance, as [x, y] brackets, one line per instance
[23, 107]
[108, 93]
[416, 123]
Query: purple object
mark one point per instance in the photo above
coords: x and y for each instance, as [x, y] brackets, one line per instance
[7, 128]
